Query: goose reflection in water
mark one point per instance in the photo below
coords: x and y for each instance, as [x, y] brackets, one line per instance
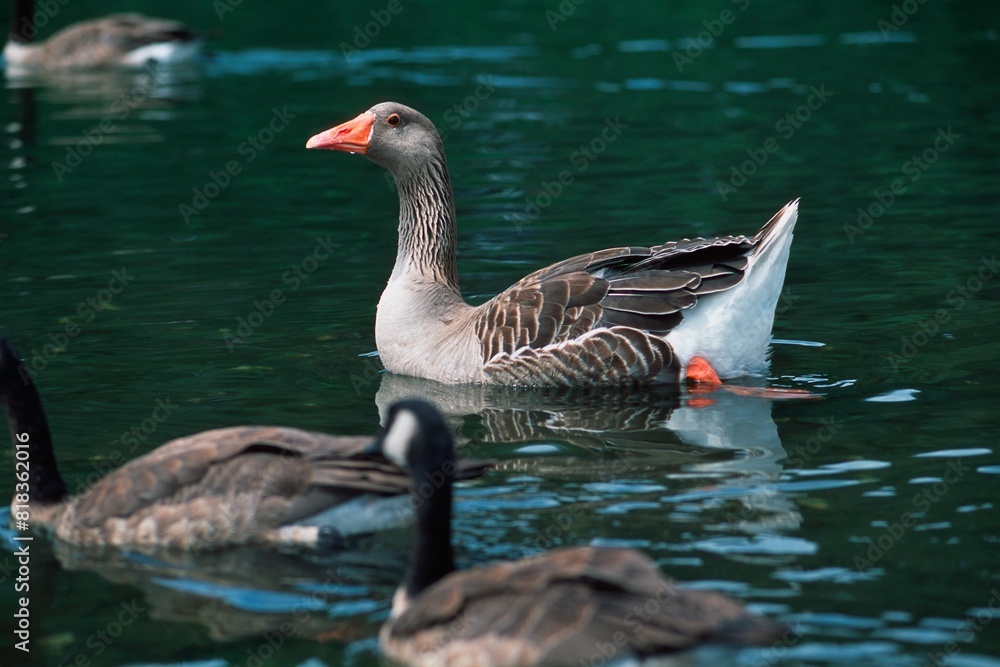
[244, 592]
[725, 439]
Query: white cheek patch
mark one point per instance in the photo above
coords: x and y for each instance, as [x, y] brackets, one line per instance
[397, 441]
[400, 602]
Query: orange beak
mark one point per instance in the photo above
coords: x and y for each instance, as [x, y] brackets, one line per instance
[353, 136]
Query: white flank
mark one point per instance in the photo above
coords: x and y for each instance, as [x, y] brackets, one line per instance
[166, 53]
[15, 53]
[732, 329]
[363, 515]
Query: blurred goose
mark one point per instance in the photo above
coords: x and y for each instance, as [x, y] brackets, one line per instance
[129, 40]
[697, 308]
[245, 484]
[557, 608]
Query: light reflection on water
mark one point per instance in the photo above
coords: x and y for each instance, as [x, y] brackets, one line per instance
[736, 493]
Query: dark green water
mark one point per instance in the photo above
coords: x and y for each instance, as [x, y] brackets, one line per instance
[867, 519]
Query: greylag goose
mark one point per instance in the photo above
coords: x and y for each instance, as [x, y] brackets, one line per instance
[556, 608]
[239, 485]
[129, 40]
[698, 308]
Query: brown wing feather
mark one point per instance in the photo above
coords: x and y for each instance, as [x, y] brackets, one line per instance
[248, 460]
[554, 607]
[280, 475]
[632, 287]
[615, 355]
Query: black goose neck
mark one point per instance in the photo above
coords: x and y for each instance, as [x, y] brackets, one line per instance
[22, 26]
[431, 496]
[29, 430]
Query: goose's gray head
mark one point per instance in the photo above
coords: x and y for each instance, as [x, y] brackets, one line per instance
[390, 134]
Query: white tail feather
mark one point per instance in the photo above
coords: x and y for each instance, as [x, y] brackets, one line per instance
[732, 329]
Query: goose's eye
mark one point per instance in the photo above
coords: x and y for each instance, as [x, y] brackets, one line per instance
[393, 120]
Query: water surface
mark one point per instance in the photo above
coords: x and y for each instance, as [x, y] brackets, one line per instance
[868, 519]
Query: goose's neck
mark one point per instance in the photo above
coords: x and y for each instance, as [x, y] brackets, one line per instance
[427, 234]
[22, 27]
[30, 437]
[432, 554]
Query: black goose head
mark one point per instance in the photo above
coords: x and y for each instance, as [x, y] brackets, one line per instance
[416, 439]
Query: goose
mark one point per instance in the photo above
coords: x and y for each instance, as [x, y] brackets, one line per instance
[223, 487]
[129, 40]
[698, 309]
[562, 607]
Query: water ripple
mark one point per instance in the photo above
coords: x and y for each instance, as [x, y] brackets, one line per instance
[837, 575]
[896, 396]
[839, 620]
[816, 485]
[778, 41]
[244, 598]
[643, 45]
[758, 544]
[877, 38]
[954, 453]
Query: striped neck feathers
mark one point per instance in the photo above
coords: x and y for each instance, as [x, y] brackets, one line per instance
[427, 233]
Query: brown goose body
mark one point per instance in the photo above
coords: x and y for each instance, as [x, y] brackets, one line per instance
[238, 485]
[618, 316]
[557, 608]
[113, 41]
[227, 486]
